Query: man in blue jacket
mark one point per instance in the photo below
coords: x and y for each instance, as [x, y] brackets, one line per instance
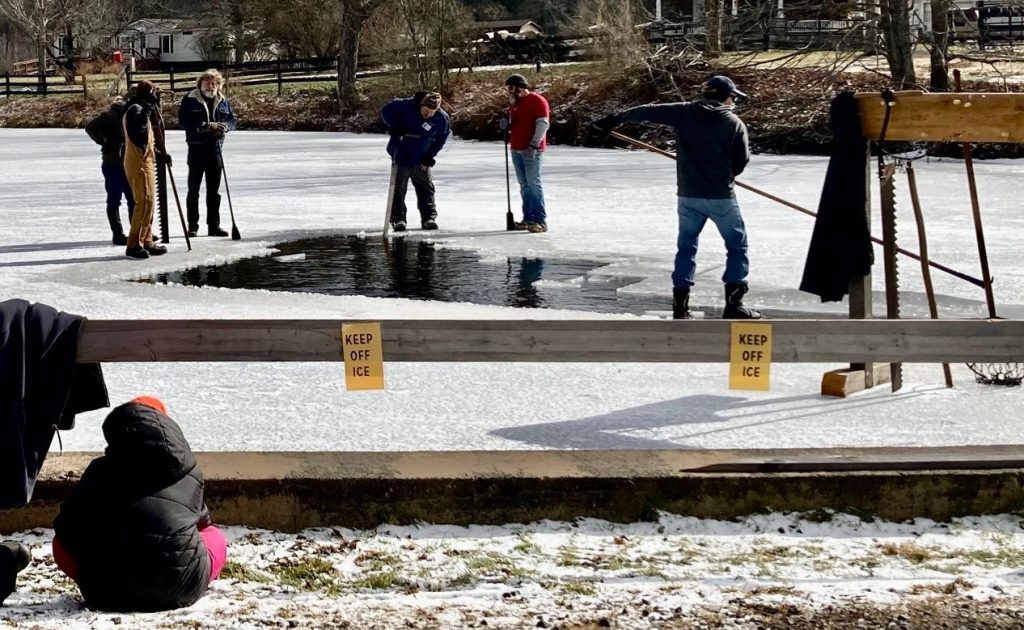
[206, 116]
[418, 128]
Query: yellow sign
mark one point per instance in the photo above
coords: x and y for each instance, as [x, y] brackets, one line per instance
[364, 356]
[750, 356]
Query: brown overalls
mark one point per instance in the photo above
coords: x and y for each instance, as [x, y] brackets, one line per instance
[140, 169]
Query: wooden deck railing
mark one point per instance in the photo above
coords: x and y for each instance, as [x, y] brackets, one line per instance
[642, 341]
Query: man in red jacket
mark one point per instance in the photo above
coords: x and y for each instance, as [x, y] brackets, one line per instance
[528, 121]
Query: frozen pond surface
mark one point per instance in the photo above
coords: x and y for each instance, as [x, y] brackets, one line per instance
[611, 210]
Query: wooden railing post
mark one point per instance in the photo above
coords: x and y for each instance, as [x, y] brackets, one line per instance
[7, 84]
[171, 71]
[279, 82]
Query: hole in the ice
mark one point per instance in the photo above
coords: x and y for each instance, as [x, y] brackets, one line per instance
[415, 269]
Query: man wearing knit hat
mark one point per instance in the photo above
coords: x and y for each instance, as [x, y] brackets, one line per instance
[418, 128]
[528, 121]
[144, 140]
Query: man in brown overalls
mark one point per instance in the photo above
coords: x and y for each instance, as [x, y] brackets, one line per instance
[144, 139]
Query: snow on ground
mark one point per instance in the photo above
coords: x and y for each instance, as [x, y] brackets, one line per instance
[669, 573]
[611, 206]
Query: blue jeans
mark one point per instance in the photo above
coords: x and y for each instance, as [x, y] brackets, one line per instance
[116, 185]
[528, 176]
[725, 213]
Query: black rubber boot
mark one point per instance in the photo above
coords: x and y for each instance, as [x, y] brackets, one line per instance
[13, 558]
[681, 303]
[734, 308]
[116, 229]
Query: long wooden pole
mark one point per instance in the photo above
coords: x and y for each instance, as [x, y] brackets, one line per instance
[922, 244]
[789, 204]
[972, 186]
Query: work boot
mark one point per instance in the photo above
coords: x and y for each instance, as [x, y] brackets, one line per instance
[139, 253]
[734, 308]
[215, 230]
[429, 224]
[398, 226]
[537, 227]
[193, 232]
[156, 250]
[116, 229]
[14, 557]
[681, 303]
[521, 225]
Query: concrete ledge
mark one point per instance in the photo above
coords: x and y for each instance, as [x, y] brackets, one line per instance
[290, 491]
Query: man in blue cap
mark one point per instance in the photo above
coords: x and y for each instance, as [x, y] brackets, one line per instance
[712, 149]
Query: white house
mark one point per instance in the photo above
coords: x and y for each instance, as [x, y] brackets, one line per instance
[165, 42]
[508, 29]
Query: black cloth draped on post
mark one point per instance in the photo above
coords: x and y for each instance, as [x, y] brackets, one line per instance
[840, 249]
[42, 388]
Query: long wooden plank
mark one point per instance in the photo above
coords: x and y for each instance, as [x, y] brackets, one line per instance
[795, 341]
[963, 117]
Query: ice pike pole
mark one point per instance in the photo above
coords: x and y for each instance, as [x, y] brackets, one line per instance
[653, 149]
[391, 197]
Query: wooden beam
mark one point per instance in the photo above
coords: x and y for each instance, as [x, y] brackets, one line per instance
[795, 341]
[945, 117]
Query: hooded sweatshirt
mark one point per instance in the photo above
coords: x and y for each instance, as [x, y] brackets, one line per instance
[132, 522]
[711, 144]
[106, 131]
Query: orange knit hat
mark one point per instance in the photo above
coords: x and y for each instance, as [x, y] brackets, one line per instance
[152, 402]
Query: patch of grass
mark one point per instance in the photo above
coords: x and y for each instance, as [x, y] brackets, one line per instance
[909, 551]
[307, 574]
[818, 516]
[579, 588]
[568, 556]
[949, 588]
[235, 571]
[463, 579]
[378, 581]
[495, 563]
[373, 560]
[1011, 558]
[526, 545]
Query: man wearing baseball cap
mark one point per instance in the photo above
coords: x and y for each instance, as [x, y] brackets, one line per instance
[528, 121]
[712, 149]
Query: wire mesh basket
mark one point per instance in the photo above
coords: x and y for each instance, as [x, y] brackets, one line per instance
[1006, 374]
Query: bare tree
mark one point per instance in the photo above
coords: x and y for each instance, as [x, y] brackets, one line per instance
[42, 21]
[614, 28]
[894, 25]
[938, 46]
[354, 14]
[713, 13]
[303, 28]
[242, 30]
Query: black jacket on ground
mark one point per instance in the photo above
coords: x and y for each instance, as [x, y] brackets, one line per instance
[41, 390]
[106, 131]
[132, 522]
[840, 248]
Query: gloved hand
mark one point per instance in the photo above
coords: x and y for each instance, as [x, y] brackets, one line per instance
[530, 153]
[606, 124]
[218, 129]
[428, 161]
[503, 123]
[166, 157]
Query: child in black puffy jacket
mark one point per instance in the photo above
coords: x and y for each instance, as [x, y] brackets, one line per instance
[143, 501]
